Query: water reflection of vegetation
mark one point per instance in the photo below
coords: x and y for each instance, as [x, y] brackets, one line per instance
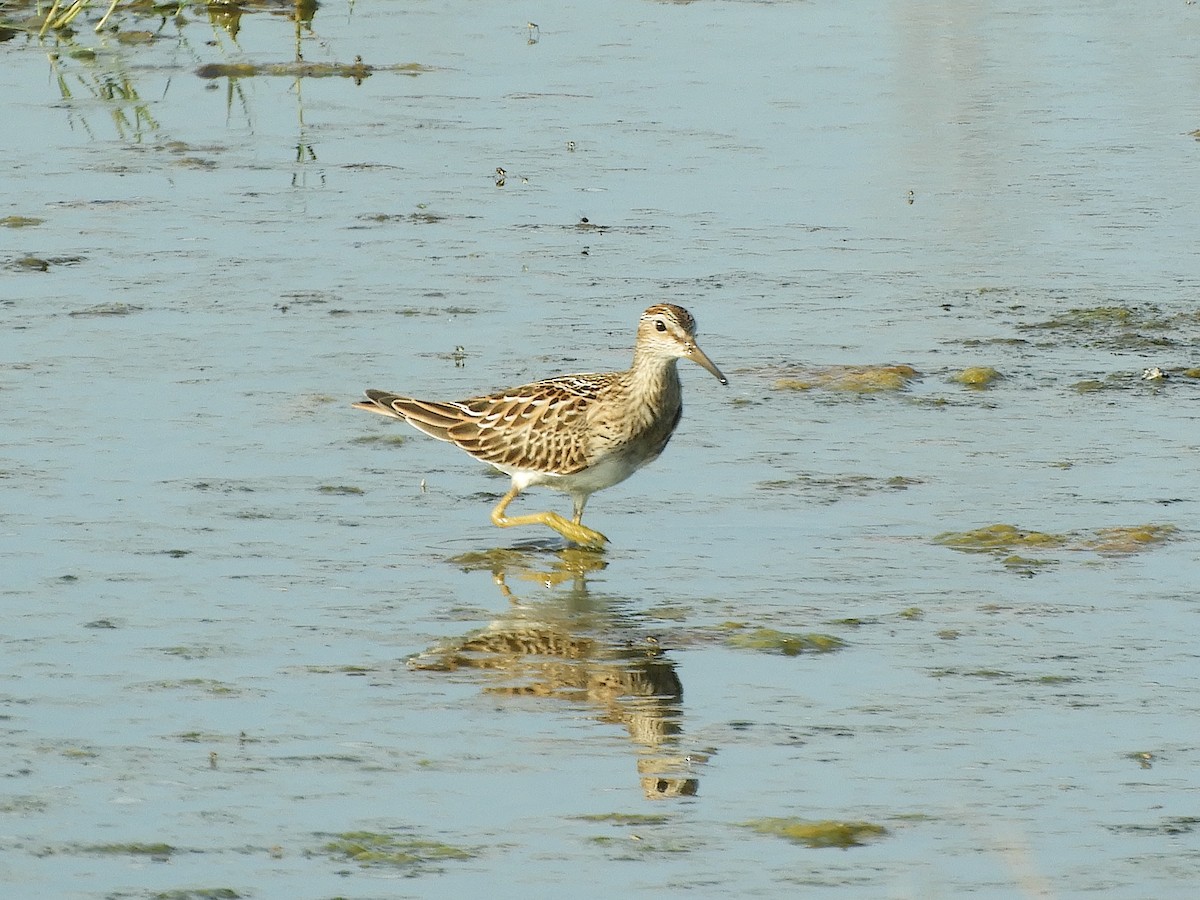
[101, 71]
[579, 648]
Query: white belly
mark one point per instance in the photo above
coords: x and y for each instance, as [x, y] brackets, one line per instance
[609, 471]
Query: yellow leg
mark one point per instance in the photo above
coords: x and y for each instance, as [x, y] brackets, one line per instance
[573, 531]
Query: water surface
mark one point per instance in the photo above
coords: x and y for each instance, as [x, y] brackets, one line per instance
[246, 630]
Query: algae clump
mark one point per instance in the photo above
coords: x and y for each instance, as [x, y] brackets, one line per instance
[1130, 539]
[977, 376]
[851, 379]
[789, 644]
[373, 848]
[997, 537]
[826, 833]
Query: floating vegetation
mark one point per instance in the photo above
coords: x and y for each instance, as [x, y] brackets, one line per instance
[1005, 539]
[1056, 679]
[194, 652]
[770, 640]
[136, 37]
[630, 819]
[637, 847]
[1116, 327]
[977, 376]
[1153, 377]
[1008, 677]
[1082, 319]
[23, 805]
[80, 753]
[198, 894]
[986, 674]
[1025, 565]
[372, 848]
[420, 217]
[851, 379]
[207, 685]
[831, 489]
[347, 669]
[358, 70]
[1165, 826]
[225, 487]
[436, 311]
[991, 538]
[341, 490]
[1143, 758]
[381, 439]
[20, 221]
[826, 833]
[105, 309]
[132, 848]
[1129, 540]
[200, 737]
[30, 264]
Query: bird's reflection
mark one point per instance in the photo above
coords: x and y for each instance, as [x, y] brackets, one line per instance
[558, 640]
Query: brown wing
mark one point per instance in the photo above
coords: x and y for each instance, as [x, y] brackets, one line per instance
[541, 427]
[435, 419]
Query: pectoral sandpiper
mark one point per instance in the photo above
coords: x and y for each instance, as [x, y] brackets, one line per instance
[576, 433]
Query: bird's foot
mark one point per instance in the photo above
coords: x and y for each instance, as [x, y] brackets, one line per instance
[577, 533]
[572, 531]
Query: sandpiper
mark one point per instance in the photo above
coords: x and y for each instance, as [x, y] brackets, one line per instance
[576, 433]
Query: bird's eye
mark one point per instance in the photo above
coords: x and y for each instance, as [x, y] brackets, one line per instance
[660, 325]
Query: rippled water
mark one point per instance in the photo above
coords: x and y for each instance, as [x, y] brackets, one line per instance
[258, 644]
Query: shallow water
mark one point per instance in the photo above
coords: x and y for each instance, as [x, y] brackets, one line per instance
[243, 623]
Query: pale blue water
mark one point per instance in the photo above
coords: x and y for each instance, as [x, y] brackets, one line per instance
[176, 583]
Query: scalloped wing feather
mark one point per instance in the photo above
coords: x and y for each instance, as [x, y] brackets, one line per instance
[509, 430]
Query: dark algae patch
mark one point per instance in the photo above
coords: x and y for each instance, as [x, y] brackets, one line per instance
[819, 834]
[381, 440]
[395, 849]
[770, 640]
[344, 490]
[626, 819]
[357, 70]
[1169, 825]
[831, 489]
[1117, 327]
[129, 849]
